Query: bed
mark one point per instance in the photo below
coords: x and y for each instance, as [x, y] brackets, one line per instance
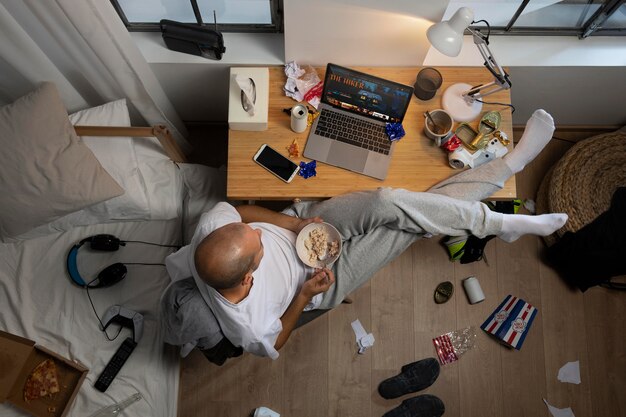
[160, 203]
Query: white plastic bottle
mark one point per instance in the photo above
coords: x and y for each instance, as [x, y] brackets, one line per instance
[115, 409]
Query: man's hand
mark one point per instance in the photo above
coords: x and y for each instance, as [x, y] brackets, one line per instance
[318, 283]
[304, 222]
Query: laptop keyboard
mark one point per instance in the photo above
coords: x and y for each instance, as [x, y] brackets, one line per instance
[367, 135]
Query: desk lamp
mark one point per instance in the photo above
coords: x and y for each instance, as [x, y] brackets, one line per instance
[463, 101]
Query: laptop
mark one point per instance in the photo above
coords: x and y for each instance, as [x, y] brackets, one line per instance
[350, 130]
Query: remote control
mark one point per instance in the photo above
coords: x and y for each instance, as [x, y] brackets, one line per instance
[115, 364]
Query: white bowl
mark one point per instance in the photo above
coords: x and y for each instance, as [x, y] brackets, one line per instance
[303, 252]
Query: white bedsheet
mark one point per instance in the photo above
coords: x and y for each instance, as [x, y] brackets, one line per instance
[39, 302]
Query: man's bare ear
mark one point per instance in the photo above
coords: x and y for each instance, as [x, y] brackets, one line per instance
[247, 279]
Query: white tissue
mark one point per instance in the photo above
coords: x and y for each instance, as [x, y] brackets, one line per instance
[570, 372]
[559, 412]
[530, 206]
[265, 412]
[247, 86]
[364, 340]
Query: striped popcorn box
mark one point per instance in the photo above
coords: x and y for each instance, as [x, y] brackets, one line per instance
[511, 321]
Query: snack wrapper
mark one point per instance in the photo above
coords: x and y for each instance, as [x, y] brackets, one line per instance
[450, 346]
[303, 84]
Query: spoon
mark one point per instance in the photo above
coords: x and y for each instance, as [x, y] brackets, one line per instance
[436, 127]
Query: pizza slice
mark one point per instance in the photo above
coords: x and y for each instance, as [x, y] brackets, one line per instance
[42, 381]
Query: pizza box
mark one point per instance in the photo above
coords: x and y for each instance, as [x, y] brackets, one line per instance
[18, 357]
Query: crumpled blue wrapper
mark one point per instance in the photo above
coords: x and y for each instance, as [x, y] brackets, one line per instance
[395, 131]
[307, 169]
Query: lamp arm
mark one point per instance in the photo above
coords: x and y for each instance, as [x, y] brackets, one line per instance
[500, 75]
[483, 90]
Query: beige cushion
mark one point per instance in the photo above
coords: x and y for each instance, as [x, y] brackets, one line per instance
[45, 169]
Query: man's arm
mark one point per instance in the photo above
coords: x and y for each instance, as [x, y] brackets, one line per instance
[320, 282]
[251, 214]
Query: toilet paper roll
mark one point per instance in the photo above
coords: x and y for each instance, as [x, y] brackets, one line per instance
[299, 118]
[472, 289]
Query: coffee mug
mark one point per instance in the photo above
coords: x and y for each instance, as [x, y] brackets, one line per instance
[441, 129]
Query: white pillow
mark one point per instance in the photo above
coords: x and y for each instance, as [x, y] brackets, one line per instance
[117, 156]
[46, 171]
[152, 182]
[154, 186]
[162, 179]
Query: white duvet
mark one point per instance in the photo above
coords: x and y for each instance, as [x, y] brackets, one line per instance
[38, 301]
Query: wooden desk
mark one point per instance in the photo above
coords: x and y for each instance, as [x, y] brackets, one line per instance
[417, 164]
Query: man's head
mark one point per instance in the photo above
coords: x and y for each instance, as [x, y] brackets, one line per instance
[228, 256]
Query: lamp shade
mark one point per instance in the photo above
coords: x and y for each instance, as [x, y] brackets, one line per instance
[447, 36]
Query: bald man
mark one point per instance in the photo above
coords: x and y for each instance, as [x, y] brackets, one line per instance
[245, 264]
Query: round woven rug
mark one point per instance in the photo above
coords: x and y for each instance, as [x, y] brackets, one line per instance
[583, 181]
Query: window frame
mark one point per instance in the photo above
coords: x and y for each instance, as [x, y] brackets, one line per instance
[276, 9]
[590, 27]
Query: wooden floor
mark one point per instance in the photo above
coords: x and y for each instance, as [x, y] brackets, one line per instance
[319, 372]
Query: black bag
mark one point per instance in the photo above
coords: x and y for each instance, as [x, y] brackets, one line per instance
[193, 39]
[594, 254]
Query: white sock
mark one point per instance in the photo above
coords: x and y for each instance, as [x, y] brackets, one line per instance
[537, 134]
[516, 225]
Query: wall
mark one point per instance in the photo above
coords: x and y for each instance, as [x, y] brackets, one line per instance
[198, 87]
[582, 82]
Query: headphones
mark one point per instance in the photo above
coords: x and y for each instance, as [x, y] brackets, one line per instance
[110, 275]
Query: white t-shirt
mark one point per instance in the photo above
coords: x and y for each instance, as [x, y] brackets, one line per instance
[254, 323]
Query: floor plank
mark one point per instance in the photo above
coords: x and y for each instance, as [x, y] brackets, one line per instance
[392, 325]
[606, 338]
[432, 320]
[349, 372]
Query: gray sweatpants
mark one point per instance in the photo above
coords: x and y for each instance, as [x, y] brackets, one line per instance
[376, 226]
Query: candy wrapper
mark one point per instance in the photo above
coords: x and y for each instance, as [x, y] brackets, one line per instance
[307, 169]
[395, 131]
[303, 84]
[294, 149]
[452, 345]
[452, 143]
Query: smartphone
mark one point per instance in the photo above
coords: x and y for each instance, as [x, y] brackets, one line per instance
[276, 163]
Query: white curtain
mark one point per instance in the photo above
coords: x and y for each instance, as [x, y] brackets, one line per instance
[85, 49]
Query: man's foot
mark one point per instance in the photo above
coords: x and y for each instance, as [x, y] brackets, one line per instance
[537, 134]
[423, 406]
[414, 377]
[516, 225]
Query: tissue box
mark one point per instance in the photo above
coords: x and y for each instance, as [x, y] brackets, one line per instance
[238, 118]
[510, 322]
[18, 357]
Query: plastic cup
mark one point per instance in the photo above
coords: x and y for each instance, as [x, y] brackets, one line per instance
[427, 83]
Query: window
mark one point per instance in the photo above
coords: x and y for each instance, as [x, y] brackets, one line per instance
[229, 15]
[581, 18]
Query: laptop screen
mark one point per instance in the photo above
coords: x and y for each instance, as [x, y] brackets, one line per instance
[366, 95]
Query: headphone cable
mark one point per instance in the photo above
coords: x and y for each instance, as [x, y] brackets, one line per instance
[150, 243]
[97, 316]
[94, 307]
